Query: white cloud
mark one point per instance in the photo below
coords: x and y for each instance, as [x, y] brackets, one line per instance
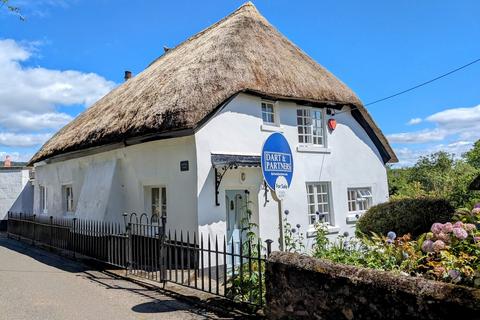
[461, 122]
[23, 140]
[422, 136]
[414, 121]
[30, 96]
[31, 121]
[456, 128]
[38, 89]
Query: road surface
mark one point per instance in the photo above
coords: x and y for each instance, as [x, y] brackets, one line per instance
[35, 284]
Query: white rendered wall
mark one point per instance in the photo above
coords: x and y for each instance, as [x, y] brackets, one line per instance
[12, 184]
[350, 160]
[107, 184]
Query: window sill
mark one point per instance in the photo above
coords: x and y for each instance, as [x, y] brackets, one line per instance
[312, 148]
[271, 128]
[311, 232]
[353, 217]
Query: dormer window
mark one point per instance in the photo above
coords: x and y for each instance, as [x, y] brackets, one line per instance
[269, 116]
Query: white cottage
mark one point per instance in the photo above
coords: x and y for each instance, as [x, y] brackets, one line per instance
[183, 139]
[16, 190]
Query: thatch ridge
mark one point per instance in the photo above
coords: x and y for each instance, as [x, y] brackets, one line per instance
[242, 52]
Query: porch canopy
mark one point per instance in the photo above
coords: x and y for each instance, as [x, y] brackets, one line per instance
[223, 162]
[234, 160]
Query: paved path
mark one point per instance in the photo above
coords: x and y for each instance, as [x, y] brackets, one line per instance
[35, 284]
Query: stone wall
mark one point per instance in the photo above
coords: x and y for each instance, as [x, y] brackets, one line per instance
[303, 287]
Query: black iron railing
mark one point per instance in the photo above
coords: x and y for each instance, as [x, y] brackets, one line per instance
[142, 247]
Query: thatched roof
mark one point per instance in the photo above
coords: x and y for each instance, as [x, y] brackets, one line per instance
[241, 53]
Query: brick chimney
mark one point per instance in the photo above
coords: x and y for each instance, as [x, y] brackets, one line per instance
[128, 75]
[8, 162]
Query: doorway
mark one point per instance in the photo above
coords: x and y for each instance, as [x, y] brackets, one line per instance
[236, 203]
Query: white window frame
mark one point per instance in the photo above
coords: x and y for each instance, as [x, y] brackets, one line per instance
[319, 199]
[273, 113]
[163, 200]
[309, 131]
[42, 190]
[68, 200]
[359, 199]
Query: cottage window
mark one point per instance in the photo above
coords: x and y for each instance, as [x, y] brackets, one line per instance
[268, 113]
[43, 199]
[359, 199]
[158, 201]
[319, 208]
[310, 126]
[68, 199]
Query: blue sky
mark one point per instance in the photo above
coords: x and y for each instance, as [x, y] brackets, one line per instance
[67, 54]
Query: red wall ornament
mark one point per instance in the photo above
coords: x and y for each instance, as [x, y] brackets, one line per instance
[332, 124]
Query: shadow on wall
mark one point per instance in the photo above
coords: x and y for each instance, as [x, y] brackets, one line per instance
[23, 203]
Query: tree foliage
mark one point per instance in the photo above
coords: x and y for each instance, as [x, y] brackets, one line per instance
[439, 175]
[13, 9]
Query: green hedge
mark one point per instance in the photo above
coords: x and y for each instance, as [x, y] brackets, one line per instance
[413, 216]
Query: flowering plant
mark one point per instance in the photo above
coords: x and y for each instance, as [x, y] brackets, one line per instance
[452, 253]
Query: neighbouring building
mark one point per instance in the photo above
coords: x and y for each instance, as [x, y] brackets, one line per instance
[16, 190]
[183, 139]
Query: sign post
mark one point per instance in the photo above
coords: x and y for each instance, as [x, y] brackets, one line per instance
[277, 169]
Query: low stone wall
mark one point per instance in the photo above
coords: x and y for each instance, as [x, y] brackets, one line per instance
[303, 287]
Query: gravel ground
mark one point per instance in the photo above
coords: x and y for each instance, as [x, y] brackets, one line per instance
[35, 284]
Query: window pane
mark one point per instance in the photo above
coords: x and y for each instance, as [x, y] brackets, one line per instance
[164, 201]
[155, 201]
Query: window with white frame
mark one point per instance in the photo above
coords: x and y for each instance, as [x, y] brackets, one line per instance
[158, 201]
[359, 199]
[319, 208]
[310, 126]
[68, 199]
[268, 113]
[43, 199]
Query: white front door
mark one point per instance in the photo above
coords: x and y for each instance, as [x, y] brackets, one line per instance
[236, 202]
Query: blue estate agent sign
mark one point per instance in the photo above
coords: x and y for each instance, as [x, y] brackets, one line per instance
[277, 163]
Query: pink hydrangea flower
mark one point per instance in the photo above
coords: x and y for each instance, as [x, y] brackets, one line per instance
[443, 236]
[447, 227]
[427, 246]
[438, 245]
[470, 227]
[437, 227]
[476, 239]
[460, 233]
[458, 224]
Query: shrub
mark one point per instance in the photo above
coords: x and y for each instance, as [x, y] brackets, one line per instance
[412, 216]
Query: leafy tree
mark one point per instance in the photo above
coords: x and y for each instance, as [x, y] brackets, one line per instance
[472, 157]
[438, 175]
[15, 10]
